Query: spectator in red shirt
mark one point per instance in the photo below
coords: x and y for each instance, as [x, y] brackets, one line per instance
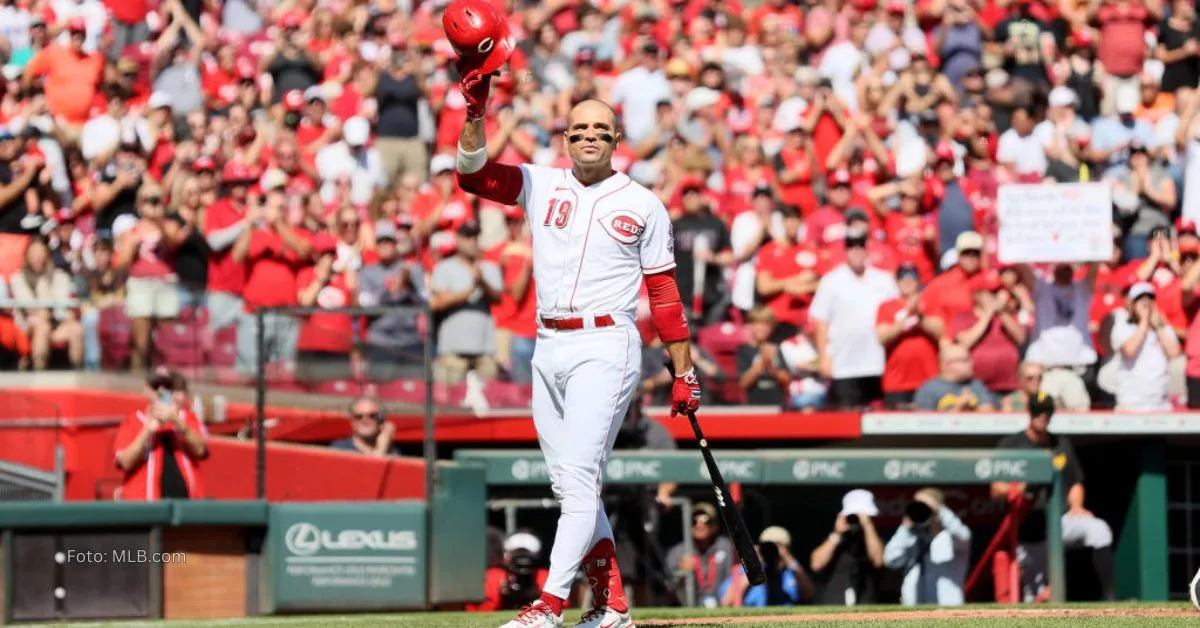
[912, 233]
[992, 333]
[950, 293]
[273, 251]
[909, 339]
[516, 313]
[1122, 28]
[225, 221]
[326, 340]
[795, 167]
[787, 276]
[828, 224]
[160, 447]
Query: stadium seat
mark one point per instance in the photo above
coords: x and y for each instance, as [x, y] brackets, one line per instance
[721, 341]
[501, 394]
[224, 347]
[180, 343]
[116, 338]
[402, 391]
[338, 387]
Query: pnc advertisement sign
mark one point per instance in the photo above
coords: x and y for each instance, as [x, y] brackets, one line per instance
[369, 556]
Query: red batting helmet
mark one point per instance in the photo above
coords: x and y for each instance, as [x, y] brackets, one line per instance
[479, 33]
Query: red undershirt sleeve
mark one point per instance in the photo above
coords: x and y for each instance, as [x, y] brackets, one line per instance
[666, 308]
[501, 183]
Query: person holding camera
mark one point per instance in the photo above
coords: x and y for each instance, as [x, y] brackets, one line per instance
[932, 548]
[787, 582]
[849, 560]
[517, 578]
[160, 447]
[1080, 528]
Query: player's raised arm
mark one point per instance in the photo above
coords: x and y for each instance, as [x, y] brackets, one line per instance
[480, 36]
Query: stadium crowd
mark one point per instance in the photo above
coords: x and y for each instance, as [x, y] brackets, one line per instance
[831, 168]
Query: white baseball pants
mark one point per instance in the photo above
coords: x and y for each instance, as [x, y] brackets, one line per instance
[583, 381]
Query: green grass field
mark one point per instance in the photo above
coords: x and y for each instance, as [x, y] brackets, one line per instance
[1141, 615]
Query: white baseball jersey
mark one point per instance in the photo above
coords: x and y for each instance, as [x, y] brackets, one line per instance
[592, 244]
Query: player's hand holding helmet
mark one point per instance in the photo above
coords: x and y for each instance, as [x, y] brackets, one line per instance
[685, 393]
[480, 35]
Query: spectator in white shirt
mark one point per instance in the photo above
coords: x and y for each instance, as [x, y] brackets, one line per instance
[637, 92]
[353, 159]
[1019, 147]
[1145, 344]
[843, 318]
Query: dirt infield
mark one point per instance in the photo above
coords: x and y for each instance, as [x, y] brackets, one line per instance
[934, 614]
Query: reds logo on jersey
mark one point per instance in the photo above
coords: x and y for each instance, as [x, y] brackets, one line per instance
[331, 298]
[623, 225]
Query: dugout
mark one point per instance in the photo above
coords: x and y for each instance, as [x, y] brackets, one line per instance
[769, 480]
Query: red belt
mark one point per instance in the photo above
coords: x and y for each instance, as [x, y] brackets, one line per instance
[571, 324]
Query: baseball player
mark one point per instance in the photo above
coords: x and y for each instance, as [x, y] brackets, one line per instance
[597, 236]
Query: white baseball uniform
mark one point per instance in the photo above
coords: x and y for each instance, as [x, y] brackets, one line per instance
[591, 247]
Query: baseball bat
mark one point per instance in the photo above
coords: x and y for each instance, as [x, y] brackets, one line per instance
[738, 533]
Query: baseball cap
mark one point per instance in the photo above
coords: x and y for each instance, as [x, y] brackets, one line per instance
[204, 163]
[161, 377]
[1185, 225]
[691, 184]
[1141, 289]
[1061, 96]
[76, 25]
[841, 176]
[469, 229]
[385, 230]
[237, 172]
[523, 541]
[777, 535]
[763, 189]
[1127, 99]
[968, 241]
[857, 214]
[859, 501]
[1041, 404]
[314, 93]
[855, 237]
[907, 269]
[678, 68]
[706, 509]
[896, 6]
[943, 152]
[293, 100]
[585, 56]
[441, 163]
[356, 131]
[159, 100]
[403, 221]
[292, 19]
[273, 179]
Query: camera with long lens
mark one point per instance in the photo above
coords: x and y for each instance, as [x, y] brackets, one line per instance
[920, 514]
[521, 586]
[853, 525]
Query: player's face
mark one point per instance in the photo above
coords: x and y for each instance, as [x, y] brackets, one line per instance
[591, 134]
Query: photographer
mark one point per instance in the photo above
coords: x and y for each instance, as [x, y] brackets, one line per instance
[787, 583]
[932, 547]
[849, 560]
[517, 579]
[160, 448]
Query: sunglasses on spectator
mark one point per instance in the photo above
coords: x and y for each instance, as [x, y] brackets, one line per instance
[1033, 378]
[856, 243]
[152, 200]
[363, 416]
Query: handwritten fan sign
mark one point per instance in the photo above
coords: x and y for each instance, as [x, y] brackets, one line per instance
[1064, 222]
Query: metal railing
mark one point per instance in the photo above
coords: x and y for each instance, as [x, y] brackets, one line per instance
[22, 483]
